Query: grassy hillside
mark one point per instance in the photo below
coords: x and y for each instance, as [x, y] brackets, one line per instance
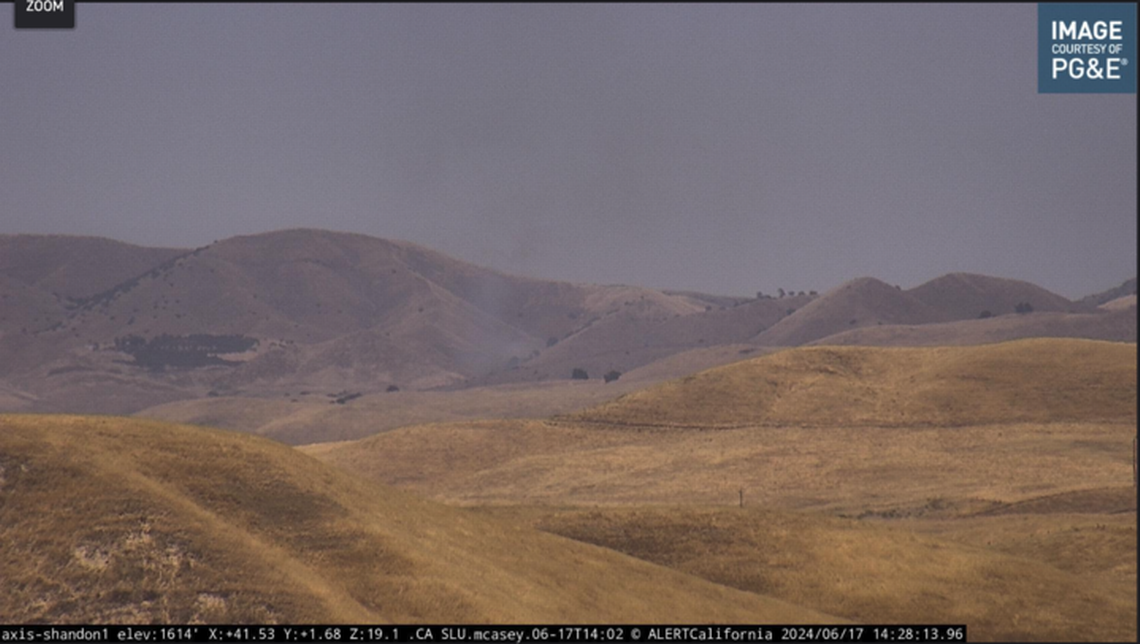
[987, 485]
[1108, 324]
[118, 520]
[1040, 380]
[873, 572]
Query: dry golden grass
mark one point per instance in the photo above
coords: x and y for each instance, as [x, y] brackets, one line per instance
[1110, 325]
[121, 520]
[1039, 380]
[871, 572]
[840, 470]
[985, 485]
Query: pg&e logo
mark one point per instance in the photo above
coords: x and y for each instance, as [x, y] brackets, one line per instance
[1086, 48]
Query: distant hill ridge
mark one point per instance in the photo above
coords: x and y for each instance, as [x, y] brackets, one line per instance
[332, 311]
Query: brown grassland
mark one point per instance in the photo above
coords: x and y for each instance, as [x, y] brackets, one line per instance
[121, 520]
[985, 485]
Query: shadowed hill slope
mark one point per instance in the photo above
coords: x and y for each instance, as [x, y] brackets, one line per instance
[76, 267]
[127, 521]
[1039, 380]
[1096, 299]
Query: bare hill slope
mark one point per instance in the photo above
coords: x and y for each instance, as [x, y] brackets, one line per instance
[862, 302]
[967, 296]
[76, 267]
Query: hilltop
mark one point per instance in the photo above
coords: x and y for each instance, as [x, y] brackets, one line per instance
[862, 302]
[967, 296]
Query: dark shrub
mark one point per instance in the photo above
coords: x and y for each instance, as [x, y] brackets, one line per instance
[392, 388]
[579, 374]
[1023, 307]
[612, 375]
[985, 314]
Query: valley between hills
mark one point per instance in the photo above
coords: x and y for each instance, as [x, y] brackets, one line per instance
[306, 426]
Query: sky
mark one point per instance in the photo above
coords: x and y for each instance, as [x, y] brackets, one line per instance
[722, 148]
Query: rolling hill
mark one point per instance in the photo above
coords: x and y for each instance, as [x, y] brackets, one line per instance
[1113, 323]
[128, 521]
[862, 302]
[966, 296]
[1128, 287]
[96, 326]
[76, 267]
[987, 485]
[320, 309]
[843, 429]
[1039, 380]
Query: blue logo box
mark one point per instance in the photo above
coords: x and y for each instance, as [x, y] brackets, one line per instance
[1086, 48]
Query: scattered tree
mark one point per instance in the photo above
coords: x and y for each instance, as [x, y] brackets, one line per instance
[1023, 307]
[551, 341]
[579, 374]
[612, 375]
[985, 314]
[780, 292]
[392, 388]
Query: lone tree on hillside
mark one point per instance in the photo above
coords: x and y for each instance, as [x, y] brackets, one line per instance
[612, 375]
[1023, 307]
[579, 374]
[985, 314]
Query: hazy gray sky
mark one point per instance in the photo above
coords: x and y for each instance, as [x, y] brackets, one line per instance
[729, 148]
